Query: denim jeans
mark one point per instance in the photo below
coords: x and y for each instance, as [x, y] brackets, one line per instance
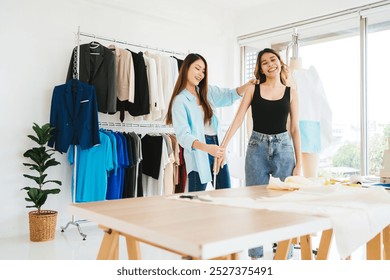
[267, 155]
[223, 177]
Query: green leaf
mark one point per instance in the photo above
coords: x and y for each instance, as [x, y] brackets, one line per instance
[52, 191]
[41, 158]
[35, 178]
[53, 181]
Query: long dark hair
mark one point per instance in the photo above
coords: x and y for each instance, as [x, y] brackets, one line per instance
[261, 76]
[182, 82]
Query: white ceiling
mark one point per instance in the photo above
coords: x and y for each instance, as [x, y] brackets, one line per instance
[185, 7]
[235, 17]
[202, 12]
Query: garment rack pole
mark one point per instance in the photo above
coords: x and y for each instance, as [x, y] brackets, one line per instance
[73, 221]
[294, 45]
[129, 44]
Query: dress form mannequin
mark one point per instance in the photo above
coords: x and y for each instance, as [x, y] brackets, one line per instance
[295, 63]
[310, 164]
[309, 160]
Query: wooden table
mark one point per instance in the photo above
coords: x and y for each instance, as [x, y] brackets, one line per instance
[203, 231]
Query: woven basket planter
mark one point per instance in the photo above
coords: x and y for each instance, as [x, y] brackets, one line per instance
[43, 225]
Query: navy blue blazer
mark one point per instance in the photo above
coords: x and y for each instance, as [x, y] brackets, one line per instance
[74, 116]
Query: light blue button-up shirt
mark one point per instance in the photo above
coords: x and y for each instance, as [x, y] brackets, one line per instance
[188, 123]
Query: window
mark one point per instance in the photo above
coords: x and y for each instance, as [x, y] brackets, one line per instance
[332, 44]
[378, 97]
[337, 63]
[250, 63]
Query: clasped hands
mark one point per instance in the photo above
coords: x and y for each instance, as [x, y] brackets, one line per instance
[218, 152]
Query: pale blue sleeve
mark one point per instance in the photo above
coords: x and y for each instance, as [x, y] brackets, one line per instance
[181, 124]
[222, 97]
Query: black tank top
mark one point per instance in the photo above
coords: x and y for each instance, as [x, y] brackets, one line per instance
[270, 116]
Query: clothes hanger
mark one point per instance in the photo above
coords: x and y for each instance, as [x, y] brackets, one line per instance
[94, 46]
[112, 46]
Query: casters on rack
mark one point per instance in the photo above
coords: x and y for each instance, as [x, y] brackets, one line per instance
[78, 228]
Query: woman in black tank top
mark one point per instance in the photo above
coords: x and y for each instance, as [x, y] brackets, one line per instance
[270, 150]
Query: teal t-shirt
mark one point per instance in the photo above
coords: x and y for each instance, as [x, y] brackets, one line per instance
[92, 167]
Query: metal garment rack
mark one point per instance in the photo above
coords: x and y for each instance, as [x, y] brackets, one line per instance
[76, 67]
[76, 64]
[139, 128]
[95, 37]
[294, 45]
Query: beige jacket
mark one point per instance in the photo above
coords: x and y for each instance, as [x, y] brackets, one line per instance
[124, 74]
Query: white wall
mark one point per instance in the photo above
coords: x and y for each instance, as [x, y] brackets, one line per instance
[37, 38]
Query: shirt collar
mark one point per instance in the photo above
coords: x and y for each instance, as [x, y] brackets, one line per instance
[188, 95]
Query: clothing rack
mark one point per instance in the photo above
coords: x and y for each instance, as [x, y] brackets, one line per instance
[129, 44]
[140, 127]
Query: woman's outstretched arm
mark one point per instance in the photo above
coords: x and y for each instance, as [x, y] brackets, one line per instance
[237, 121]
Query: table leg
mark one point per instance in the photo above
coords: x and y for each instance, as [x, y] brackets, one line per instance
[374, 248]
[282, 250]
[386, 243]
[324, 247]
[234, 256]
[306, 249]
[133, 249]
[109, 249]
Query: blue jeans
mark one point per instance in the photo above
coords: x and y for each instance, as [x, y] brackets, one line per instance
[268, 155]
[223, 177]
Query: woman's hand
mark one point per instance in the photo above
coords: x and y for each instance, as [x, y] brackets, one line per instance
[253, 81]
[297, 170]
[219, 163]
[215, 150]
[242, 89]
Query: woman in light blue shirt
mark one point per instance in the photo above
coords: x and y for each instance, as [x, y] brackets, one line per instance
[191, 111]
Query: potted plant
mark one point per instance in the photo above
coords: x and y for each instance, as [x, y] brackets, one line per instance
[42, 222]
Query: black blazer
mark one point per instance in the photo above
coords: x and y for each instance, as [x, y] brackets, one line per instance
[74, 116]
[141, 104]
[99, 71]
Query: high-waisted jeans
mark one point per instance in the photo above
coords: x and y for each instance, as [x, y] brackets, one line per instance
[268, 155]
[222, 178]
